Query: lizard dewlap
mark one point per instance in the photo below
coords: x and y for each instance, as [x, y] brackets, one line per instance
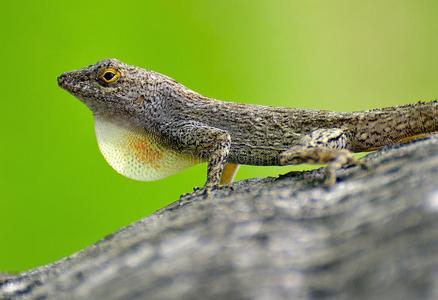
[149, 126]
[137, 155]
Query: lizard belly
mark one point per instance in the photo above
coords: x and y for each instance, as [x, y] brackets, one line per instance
[137, 154]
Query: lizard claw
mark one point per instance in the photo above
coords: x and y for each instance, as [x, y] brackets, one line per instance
[204, 192]
[196, 188]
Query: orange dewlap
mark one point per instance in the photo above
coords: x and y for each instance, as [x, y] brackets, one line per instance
[145, 152]
[137, 154]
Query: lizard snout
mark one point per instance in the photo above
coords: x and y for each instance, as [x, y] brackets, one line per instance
[61, 80]
[69, 80]
[74, 80]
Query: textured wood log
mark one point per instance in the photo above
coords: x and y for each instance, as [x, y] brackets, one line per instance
[372, 235]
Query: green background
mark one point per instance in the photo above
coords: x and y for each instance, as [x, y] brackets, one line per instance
[57, 193]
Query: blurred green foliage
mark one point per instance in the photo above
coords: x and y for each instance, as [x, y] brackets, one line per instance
[57, 193]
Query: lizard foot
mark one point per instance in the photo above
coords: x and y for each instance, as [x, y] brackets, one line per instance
[344, 158]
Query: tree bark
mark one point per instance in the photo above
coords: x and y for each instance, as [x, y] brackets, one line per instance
[373, 235]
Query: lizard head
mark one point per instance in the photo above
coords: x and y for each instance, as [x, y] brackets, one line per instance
[120, 96]
[109, 87]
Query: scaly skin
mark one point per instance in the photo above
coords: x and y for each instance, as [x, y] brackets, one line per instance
[203, 129]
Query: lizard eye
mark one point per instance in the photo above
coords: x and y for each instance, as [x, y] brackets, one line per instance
[109, 75]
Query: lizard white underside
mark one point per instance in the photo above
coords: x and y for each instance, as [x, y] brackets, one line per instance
[134, 153]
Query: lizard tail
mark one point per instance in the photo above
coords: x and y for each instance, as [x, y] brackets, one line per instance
[378, 127]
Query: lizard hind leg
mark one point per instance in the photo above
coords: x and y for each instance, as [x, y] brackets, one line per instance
[322, 146]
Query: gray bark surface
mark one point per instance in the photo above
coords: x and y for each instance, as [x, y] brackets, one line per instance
[374, 235]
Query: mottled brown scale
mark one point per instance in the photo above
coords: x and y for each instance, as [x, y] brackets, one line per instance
[221, 132]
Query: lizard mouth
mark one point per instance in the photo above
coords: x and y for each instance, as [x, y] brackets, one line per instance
[80, 86]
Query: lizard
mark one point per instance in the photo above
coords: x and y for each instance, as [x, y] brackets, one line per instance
[148, 126]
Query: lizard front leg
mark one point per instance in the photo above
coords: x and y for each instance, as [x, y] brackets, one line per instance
[202, 141]
[217, 157]
[322, 146]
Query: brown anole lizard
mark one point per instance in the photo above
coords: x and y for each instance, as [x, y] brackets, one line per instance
[149, 126]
